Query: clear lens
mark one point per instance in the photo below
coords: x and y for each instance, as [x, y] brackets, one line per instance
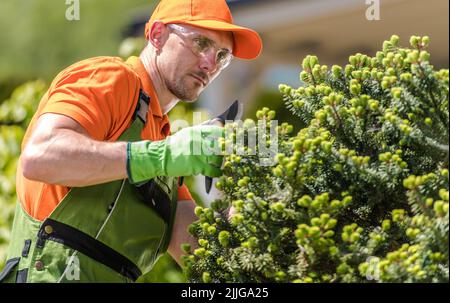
[202, 46]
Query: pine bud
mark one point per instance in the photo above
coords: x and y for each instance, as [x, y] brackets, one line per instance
[414, 41]
[280, 276]
[406, 77]
[326, 147]
[330, 224]
[264, 216]
[224, 238]
[347, 200]
[380, 56]
[357, 74]
[395, 40]
[242, 182]
[424, 56]
[397, 92]
[313, 61]
[443, 193]
[354, 237]
[206, 276]
[219, 185]
[316, 222]
[203, 242]
[355, 89]
[198, 211]
[304, 201]
[298, 103]
[211, 230]
[328, 234]
[348, 70]
[278, 172]
[337, 71]
[304, 77]
[253, 242]
[200, 252]
[283, 88]
[250, 196]
[374, 105]
[278, 207]
[386, 46]
[413, 56]
[236, 219]
[271, 115]
[314, 232]
[334, 251]
[439, 208]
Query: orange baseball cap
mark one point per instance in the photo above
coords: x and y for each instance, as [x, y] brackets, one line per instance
[209, 14]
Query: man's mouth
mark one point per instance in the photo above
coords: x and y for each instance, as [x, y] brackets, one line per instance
[202, 81]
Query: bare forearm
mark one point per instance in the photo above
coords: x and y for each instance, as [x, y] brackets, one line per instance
[73, 159]
[183, 218]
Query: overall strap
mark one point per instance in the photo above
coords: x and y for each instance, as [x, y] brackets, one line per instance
[73, 238]
[142, 107]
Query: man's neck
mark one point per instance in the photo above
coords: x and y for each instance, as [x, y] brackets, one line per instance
[166, 99]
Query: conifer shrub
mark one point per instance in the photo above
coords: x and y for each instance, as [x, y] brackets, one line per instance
[359, 195]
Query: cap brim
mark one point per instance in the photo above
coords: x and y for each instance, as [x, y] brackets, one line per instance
[247, 42]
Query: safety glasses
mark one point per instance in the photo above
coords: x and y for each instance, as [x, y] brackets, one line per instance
[202, 46]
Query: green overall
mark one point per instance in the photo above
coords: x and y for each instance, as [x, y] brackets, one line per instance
[112, 232]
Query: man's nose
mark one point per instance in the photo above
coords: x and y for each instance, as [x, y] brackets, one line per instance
[208, 62]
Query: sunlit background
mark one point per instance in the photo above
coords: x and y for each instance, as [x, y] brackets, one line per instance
[37, 41]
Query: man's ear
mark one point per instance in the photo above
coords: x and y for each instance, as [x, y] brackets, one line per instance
[158, 34]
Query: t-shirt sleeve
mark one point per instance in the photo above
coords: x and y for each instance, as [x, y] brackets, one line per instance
[99, 96]
[184, 194]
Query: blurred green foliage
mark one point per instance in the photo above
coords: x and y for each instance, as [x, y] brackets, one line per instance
[37, 40]
[15, 114]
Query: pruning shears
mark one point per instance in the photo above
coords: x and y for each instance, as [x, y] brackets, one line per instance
[234, 112]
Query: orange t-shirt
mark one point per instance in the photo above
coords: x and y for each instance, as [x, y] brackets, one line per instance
[101, 94]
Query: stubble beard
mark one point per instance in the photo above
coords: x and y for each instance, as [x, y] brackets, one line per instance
[182, 91]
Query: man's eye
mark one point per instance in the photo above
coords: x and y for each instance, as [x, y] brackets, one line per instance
[222, 55]
[201, 44]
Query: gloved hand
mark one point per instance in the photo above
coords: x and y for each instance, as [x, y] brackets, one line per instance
[191, 151]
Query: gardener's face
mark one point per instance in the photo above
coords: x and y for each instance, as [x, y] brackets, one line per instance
[192, 58]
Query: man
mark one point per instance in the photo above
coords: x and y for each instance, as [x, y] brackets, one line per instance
[100, 198]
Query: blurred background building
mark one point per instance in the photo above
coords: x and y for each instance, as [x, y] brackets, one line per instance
[333, 30]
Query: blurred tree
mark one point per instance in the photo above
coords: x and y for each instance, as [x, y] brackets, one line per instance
[37, 40]
[274, 100]
[15, 114]
[131, 46]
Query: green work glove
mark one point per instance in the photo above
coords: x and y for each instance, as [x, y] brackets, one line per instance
[191, 151]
